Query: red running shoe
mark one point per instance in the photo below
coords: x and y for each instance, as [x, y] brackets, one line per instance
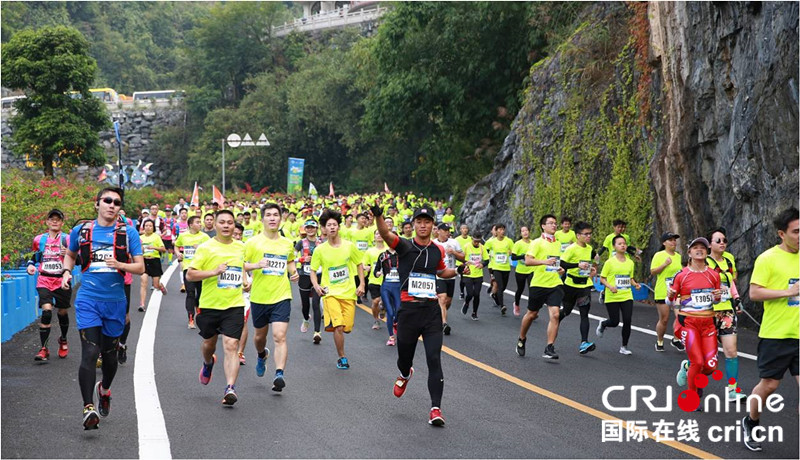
[63, 348]
[43, 355]
[436, 417]
[400, 384]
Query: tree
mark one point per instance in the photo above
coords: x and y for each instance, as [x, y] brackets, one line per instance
[59, 120]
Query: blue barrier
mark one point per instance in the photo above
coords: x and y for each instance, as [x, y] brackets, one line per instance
[642, 293]
[19, 303]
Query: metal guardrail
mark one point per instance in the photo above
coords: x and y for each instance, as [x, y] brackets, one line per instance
[330, 19]
[126, 105]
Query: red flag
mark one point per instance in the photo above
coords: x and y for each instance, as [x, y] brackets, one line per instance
[103, 176]
[195, 196]
[386, 188]
[330, 193]
[218, 198]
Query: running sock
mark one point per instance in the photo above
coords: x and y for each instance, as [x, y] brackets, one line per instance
[262, 354]
[63, 322]
[44, 335]
[660, 343]
[278, 372]
[732, 370]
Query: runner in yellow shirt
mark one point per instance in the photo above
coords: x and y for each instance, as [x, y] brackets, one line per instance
[337, 258]
[522, 272]
[546, 286]
[218, 263]
[775, 282]
[500, 249]
[565, 236]
[152, 248]
[270, 257]
[185, 247]
[665, 265]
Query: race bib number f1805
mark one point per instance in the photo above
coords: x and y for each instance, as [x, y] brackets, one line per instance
[422, 285]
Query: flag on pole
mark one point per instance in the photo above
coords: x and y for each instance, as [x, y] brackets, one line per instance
[312, 191]
[103, 175]
[386, 188]
[218, 198]
[330, 193]
[195, 196]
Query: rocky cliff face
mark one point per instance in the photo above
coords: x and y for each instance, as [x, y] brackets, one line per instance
[729, 152]
[715, 105]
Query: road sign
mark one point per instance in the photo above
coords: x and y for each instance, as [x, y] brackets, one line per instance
[247, 141]
[234, 140]
[262, 140]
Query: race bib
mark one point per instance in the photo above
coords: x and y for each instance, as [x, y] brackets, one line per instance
[422, 285]
[474, 259]
[230, 278]
[669, 282]
[501, 258]
[306, 269]
[588, 271]
[188, 252]
[564, 246]
[362, 245]
[622, 282]
[52, 266]
[553, 268]
[793, 301]
[338, 275]
[702, 299]
[99, 258]
[276, 265]
[393, 276]
[726, 292]
[248, 232]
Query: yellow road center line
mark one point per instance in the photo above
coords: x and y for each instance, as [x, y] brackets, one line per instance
[699, 453]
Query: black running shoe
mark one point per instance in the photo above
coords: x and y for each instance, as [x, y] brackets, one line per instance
[521, 347]
[122, 354]
[550, 352]
[446, 329]
[464, 308]
[103, 401]
[678, 345]
[90, 418]
[747, 432]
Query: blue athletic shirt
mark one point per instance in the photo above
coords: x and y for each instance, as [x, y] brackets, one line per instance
[101, 282]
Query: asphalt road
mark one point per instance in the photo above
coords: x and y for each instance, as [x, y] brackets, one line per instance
[496, 404]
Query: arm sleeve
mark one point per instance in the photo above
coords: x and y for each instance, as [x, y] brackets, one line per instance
[568, 265]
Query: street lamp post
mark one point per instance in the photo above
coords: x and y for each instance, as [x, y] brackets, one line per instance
[234, 140]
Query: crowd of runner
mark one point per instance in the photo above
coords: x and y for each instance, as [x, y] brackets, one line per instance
[396, 256]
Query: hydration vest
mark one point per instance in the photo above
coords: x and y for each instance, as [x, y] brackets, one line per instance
[85, 245]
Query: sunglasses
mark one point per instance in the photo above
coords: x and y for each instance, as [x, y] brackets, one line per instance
[108, 200]
[721, 241]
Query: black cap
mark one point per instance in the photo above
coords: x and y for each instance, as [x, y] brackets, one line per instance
[668, 236]
[55, 212]
[443, 226]
[424, 212]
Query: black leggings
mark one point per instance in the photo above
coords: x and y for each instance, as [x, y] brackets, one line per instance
[501, 278]
[93, 342]
[523, 280]
[425, 320]
[613, 318]
[461, 284]
[583, 298]
[193, 289]
[310, 301]
[124, 338]
[473, 286]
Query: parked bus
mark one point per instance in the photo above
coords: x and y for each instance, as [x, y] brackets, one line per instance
[105, 94]
[8, 102]
[157, 95]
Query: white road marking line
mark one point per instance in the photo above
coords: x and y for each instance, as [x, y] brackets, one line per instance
[153, 439]
[633, 328]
